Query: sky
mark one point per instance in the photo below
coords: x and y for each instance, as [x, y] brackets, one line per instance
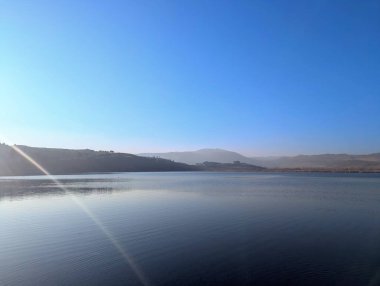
[257, 77]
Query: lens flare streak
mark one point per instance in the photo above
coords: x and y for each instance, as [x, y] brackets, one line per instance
[129, 260]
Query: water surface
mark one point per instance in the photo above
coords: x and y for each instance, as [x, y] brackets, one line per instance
[191, 229]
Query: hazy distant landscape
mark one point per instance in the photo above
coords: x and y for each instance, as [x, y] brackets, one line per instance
[66, 161]
[370, 162]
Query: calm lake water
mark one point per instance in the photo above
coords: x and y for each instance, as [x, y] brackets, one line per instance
[191, 229]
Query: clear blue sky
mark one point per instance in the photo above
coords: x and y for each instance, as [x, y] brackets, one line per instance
[259, 77]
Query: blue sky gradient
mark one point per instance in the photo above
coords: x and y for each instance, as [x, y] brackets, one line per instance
[258, 77]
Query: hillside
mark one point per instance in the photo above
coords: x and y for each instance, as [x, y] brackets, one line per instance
[325, 161]
[65, 161]
[200, 156]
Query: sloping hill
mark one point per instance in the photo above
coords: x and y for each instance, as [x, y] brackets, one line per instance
[65, 161]
[200, 156]
[324, 161]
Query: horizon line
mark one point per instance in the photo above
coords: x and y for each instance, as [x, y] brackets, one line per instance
[221, 149]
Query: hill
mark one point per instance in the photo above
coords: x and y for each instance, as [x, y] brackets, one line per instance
[65, 161]
[344, 162]
[202, 155]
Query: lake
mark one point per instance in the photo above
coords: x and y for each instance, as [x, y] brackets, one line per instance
[191, 228]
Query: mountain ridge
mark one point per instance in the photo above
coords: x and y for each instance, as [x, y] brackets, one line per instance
[333, 161]
[69, 161]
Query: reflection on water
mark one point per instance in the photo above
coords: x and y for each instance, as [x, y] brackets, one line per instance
[23, 189]
[193, 229]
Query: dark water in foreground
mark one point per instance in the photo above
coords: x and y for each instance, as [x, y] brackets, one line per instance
[191, 229]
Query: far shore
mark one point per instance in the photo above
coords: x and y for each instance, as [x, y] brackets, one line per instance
[266, 171]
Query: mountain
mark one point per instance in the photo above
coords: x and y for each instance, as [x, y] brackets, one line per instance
[200, 156]
[65, 161]
[345, 162]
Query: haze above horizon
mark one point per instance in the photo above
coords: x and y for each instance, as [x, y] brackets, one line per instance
[256, 77]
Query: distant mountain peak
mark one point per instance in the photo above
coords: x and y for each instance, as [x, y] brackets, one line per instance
[202, 155]
[213, 150]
